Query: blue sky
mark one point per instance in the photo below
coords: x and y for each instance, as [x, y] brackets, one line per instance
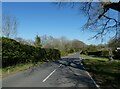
[47, 19]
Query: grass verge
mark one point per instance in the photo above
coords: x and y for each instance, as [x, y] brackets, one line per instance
[17, 68]
[105, 73]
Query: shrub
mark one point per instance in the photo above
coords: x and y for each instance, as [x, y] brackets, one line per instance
[96, 53]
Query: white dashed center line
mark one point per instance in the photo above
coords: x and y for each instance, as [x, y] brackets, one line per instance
[51, 73]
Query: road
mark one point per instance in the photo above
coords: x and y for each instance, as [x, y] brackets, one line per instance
[67, 72]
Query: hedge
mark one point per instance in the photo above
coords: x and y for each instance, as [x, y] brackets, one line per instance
[14, 53]
[96, 53]
[103, 53]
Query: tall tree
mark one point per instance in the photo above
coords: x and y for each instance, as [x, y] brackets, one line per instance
[37, 41]
[98, 16]
[9, 26]
[62, 43]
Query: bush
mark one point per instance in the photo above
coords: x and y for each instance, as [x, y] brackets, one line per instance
[14, 53]
[96, 53]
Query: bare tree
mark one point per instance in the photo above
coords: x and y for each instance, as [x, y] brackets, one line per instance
[114, 43]
[77, 45]
[99, 19]
[24, 41]
[98, 16]
[9, 26]
[62, 43]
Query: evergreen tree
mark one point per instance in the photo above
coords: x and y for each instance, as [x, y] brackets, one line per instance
[37, 41]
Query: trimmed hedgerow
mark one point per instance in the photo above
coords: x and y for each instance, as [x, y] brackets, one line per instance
[14, 53]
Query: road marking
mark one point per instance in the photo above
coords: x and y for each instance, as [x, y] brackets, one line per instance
[51, 74]
[60, 65]
[93, 80]
[91, 77]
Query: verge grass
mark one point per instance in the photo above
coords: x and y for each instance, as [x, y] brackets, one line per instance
[105, 73]
[17, 68]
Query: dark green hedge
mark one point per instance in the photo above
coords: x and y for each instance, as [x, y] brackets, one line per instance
[103, 53]
[96, 53]
[14, 53]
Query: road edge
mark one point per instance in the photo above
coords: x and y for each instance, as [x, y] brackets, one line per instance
[89, 74]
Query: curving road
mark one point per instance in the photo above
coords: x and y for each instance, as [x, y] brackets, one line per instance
[67, 72]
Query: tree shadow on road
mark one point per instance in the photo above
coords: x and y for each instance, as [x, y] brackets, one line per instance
[71, 62]
[79, 78]
[82, 81]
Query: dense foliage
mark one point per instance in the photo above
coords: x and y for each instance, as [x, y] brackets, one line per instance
[14, 52]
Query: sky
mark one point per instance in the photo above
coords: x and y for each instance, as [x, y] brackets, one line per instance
[45, 18]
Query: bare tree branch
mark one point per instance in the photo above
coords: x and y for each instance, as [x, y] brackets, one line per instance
[98, 18]
[9, 26]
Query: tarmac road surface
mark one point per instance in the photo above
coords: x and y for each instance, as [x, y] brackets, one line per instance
[67, 72]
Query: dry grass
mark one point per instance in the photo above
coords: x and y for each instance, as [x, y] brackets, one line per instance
[15, 69]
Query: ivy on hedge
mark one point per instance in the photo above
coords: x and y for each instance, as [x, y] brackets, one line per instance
[14, 53]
